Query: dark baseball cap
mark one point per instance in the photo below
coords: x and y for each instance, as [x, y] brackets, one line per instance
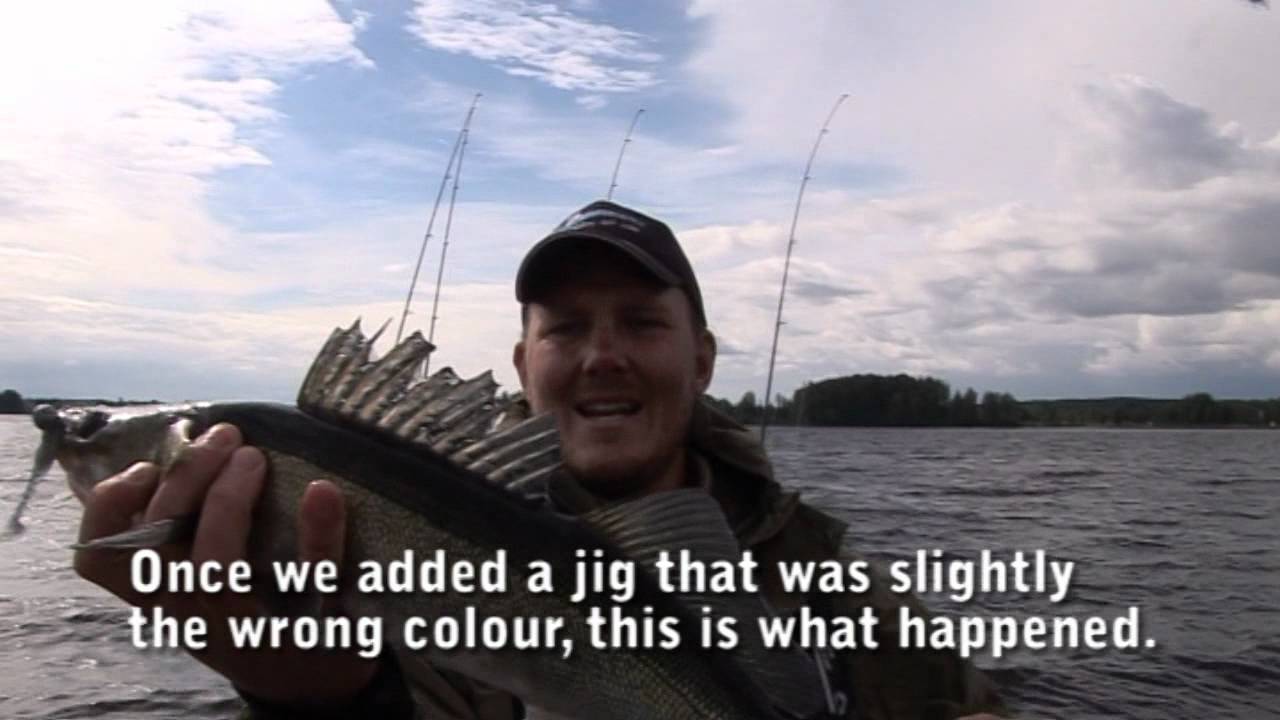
[645, 240]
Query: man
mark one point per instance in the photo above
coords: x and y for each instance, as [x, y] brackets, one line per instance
[615, 345]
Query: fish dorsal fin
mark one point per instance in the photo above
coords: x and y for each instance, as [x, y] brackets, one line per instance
[442, 413]
[690, 519]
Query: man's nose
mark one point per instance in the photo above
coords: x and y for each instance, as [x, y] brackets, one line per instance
[604, 350]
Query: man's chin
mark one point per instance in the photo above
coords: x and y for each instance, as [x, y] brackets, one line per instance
[609, 478]
[613, 487]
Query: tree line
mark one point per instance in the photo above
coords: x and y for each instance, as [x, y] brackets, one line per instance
[12, 402]
[906, 401]
[1195, 409]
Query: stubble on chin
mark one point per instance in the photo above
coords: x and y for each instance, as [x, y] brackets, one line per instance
[612, 483]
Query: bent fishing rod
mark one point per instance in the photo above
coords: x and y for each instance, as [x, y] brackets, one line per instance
[426, 238]
[786, 265]
[613, 181]
[448, 226]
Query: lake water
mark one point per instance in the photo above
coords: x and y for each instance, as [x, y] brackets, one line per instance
[1181, 523]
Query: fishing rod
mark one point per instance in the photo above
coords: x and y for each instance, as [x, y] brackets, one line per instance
[786, 266]
[613, 182]
[448, 225]
[422, 251]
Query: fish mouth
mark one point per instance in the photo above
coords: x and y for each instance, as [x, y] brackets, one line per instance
[93, 444]
[75, 423]
[48, 419]
[84, 426]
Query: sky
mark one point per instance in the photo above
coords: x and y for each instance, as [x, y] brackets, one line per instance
[1052, 199]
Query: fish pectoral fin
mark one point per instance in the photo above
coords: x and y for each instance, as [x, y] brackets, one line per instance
[148, 535]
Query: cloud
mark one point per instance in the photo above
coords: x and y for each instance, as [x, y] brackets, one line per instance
[108, 153]
[968, 96]
[1167, 227]
[360, 20]
[540, 41]
[1095, 212]
[111, 145]
[1142, 136]
[1154, 273]
[572, 153]
[591, 102]
[145, 352]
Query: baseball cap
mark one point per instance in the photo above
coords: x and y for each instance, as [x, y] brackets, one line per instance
[647, 241]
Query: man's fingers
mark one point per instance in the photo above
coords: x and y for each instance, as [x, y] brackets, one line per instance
[226, 515]
[112, 503]
[322, 522]
[109, 509]
[182, 489]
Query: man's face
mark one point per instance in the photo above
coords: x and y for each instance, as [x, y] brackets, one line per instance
[616, 358]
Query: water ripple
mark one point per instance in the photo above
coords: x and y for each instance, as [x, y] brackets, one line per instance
[1178, 523]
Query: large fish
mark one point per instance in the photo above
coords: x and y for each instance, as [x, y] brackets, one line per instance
[430, 464]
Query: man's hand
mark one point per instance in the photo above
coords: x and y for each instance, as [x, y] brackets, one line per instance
[222, 478]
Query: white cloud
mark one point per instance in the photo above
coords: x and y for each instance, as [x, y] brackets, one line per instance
[591, 102]
[112, 122]
[969, 95]
[360, 20]
[540, 41]
[156, 352]
[1050, 224]
[1066, 172]
[1162, 263]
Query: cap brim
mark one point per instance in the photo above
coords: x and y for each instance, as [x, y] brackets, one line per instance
[539, 252]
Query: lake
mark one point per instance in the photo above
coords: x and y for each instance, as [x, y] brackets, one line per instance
[1184, 524]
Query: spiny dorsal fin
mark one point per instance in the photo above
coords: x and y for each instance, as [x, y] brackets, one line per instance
[690, 519]
[443, 413]
[402, 415]
[389, 379]
[337, 353]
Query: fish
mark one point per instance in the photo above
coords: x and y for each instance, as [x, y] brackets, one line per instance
[444, 463]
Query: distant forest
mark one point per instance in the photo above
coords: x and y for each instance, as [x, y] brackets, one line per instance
[12, 402]
[905, 401]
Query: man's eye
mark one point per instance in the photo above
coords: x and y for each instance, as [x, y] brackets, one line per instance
[646, 322]
[562, 328]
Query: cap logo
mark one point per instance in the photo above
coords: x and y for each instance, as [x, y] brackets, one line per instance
[600, 217]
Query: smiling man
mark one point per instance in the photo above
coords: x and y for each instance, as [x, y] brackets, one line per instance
[615, 346]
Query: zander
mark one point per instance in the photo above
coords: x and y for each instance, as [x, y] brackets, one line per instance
[437, 464]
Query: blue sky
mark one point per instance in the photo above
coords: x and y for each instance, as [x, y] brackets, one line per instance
[1049, 198]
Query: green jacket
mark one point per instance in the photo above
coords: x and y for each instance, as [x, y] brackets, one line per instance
[888, 683]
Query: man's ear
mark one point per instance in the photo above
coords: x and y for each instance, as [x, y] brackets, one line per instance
[517, 359]
[705, 362]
